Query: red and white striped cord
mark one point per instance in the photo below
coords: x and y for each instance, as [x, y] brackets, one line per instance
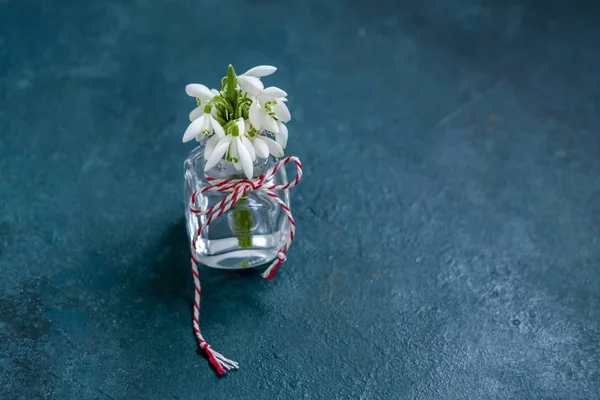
[238, 188]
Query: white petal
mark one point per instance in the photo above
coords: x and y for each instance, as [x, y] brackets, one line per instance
[199, 91]
[218, 152]
[274, 92]
[217, 127]
[196, 113]
[281, 111]
[274, 147]
[249, 147]
[282, 136]
[210, 146]
[245, 158]
[261, 70]
[250, 84]
[237, 166]
[260, 147]
[194, 129]
[269, 123]
[214, 92]
[254, 114]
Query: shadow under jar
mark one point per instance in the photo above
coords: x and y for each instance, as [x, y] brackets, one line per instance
[251, 232]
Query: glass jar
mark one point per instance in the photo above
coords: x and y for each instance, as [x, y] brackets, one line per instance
[251, 232]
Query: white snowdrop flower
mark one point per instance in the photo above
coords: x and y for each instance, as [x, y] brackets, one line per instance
[250, 85]
[235, 144]
[263, 146]
[250, 82]
[206, 124]
[260, 118]
[203, 96]
[268, 111]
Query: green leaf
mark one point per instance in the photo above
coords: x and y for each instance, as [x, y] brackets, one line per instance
[220, 119]
[231, 84]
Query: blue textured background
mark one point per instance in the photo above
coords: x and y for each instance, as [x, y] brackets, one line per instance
[448, 220]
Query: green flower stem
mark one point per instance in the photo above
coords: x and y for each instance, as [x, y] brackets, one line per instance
[242, 219]
[232, 105]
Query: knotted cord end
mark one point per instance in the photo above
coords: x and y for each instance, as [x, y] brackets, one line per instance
[217, 360]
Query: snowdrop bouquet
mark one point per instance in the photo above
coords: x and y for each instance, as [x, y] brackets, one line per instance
[239, 121]
[236, 125]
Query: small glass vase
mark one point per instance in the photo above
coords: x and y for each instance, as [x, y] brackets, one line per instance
[251, 232]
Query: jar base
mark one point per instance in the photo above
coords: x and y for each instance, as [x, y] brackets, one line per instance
[235, 259]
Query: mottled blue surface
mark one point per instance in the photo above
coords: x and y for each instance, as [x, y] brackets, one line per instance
[448, 220]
